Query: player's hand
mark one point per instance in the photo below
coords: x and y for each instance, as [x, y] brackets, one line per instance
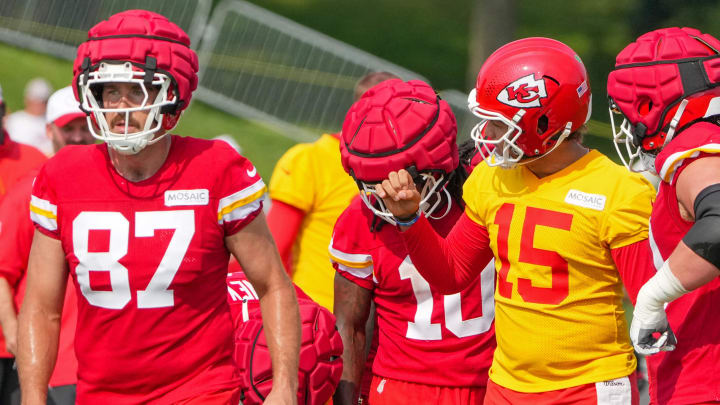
[281, 397]
[644, 328]
[399, 194]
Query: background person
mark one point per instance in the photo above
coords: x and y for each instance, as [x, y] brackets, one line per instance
[16, 160]
[66, 125]
[309, 189]
[28, 125]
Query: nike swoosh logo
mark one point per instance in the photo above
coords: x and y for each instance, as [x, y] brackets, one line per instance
[251, 173]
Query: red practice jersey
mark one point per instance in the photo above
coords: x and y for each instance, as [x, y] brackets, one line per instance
[690, 373]
[423, 336]
[16, 235]
[149, 264]
[16, 159]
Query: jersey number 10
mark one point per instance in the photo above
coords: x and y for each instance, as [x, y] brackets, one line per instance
[422, 328]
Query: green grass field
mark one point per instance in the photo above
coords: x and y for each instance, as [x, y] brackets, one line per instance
[261, 145]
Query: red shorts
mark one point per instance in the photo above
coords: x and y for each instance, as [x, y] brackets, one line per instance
[619, 391]
[227, 396]
[386, 391]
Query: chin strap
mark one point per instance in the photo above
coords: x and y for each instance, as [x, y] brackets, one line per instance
[561, 138]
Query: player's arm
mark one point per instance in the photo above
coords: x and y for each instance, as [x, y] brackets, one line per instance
[449, 265]
[8, 316]
[39, 319]
[693, 263]
[255, 250]
[284, 221]
[351, 309]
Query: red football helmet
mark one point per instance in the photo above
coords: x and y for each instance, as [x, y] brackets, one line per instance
[400, 125]
[662, 82]
[141, 47]
[321, 350]
[538, 88]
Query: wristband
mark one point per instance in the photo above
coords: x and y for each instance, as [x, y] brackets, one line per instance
[407, 221]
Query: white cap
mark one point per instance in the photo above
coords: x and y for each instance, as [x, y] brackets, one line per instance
[62, 107]
[38, 89]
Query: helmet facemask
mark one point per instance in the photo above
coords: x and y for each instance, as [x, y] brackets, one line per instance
[90, 95]
[631, 153]
[432, 188]
[504, 151]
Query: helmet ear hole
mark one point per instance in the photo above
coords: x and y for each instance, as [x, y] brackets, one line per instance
[97, 89]
[644, 107]
[542, 125]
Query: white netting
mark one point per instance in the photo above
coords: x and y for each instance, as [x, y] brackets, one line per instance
[253, 63]
[261, 65]
[57, 27]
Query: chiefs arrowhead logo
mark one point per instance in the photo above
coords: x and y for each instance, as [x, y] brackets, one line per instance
[524, 92]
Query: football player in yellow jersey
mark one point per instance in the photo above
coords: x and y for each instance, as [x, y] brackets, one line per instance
[309, 190]
[559, 219]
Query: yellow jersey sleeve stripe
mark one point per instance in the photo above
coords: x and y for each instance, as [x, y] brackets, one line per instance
[240, 203]
[676, 159]
[356, 261]
[242, 198]
[359, 273]
[350, 264]
[43, 213]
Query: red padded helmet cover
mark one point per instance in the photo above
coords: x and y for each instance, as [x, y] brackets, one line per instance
[134, 35]
[321, 350]
[653, 74]
[395, 125]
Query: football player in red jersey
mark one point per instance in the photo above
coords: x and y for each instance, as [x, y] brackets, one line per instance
[432, 348]
[145, 223]
[559, 220]
[665, 89]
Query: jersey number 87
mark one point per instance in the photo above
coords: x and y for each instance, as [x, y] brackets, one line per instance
[156, 294]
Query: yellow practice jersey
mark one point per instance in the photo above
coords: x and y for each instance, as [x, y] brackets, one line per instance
[310, 177]
[559, 318]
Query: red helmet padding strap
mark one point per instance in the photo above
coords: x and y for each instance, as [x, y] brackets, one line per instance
[397, 125]
[402, 148]
[657, 71]
[678, 79]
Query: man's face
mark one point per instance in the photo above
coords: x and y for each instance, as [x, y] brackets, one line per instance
[74, 133]
[495, 130]
[127, 95]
